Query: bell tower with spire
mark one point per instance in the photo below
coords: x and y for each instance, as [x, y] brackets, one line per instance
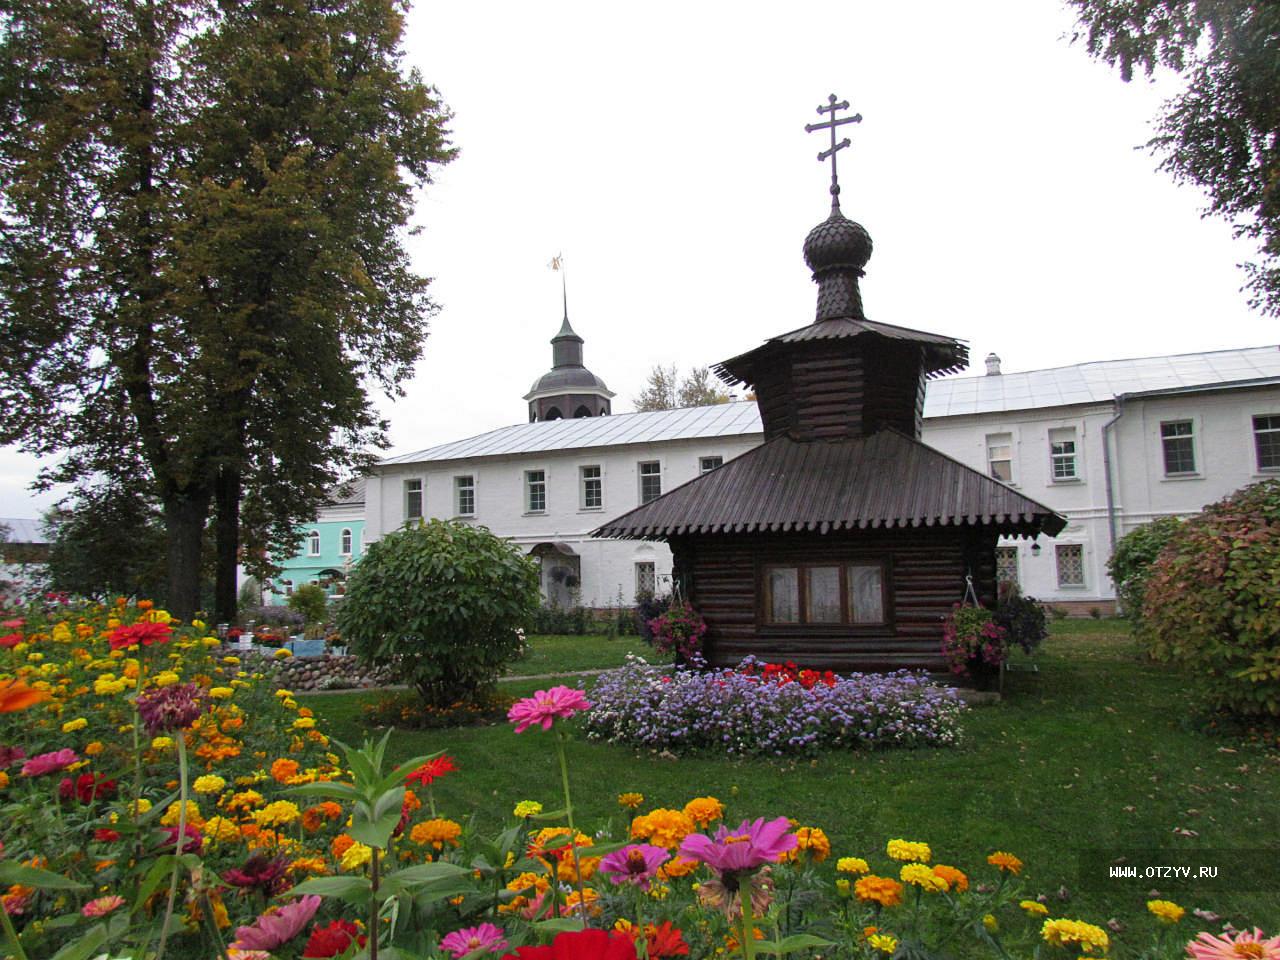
[568, 390]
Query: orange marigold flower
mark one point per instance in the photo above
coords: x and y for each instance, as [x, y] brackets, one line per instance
[662, 827]
[677, 867]
[956, 881]
[283, 769]
[1005, 861]
[811, 840]
[436, 833]
[704, 810]
[882, 890]
[340, 845]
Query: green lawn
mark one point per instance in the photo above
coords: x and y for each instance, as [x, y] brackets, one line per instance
[1098, 749]
[567, 654]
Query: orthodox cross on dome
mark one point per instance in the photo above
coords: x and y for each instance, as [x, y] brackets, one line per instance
[831, 124]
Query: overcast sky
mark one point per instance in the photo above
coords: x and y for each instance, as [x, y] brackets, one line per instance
[661, 148]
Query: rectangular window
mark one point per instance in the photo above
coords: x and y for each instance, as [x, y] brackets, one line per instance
[1178, 439]
[592, 489]
[1062, 454]
[1006, 565]
[707, 464]
[1000, 456]
[1266, 439]
[535, 491]
[650, 480]
[1070, 564]
[827, 594]
[646, 579]
[412, 499]
[465, 496]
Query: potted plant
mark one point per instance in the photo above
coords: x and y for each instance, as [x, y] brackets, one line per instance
[975, 645]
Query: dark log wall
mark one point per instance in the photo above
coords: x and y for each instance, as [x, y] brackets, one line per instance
[838, 389]
[926, 571]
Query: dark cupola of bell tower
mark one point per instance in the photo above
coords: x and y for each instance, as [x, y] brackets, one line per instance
[568, 389]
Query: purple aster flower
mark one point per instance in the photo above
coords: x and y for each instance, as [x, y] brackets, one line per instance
[277, 926]
[485, 937]
[637, 863]
[171, 708]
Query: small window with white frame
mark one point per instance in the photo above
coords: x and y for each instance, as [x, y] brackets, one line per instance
[592, 487]
[413, 499]
[650, 480]
[535, 491]
[646, 578]
[1000, 456]
[707, 464]
[1070, 557]
[1063, 455]
[1178, 441]
[313, 543]
[464, 495]
[1006, 565]
[1266, 441]
[344, 542]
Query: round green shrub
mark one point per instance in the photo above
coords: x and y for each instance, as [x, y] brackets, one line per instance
[310, 601]
[440, 603]
[1213, 601]
[1131, 561]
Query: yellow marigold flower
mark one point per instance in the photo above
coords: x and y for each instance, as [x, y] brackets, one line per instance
[94, 748]
[304, 723]
[631, 801]
[662, 827]
[852, 865]
[161, 743]
[245, 800]
[165, 678]
[921, 876]
[34, 657]
[209, 783]
[221, 693]
[436, 833]
[1034, 907]
[278, 813]
[882, 890]
[282, 654]
[1005, 861]
[955, 879]
[4, 779]
[990, 922]
[704, 810]
[810, 840]
[221, 829]
[71, 726]
[882, 942]
[1062, 933]
[1166, 910]
[139, 808]
[574, 903]
[677, 867]
[527, 808]
[909, 851]
[231, 661]
[170, 817]
[356, 856]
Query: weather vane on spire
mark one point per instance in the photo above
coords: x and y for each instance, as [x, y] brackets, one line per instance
[831, 108]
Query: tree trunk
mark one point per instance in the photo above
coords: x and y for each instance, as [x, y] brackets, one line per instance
[226, 530]
[184, 520]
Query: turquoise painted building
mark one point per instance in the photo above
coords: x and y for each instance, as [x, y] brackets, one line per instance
[331, 545]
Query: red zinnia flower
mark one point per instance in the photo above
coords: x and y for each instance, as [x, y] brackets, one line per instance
[665, 941]
[332, 940]
[580, 945]
[142, 634]
[11, 639]
[431, 770]
[87, 787]
[106, 835]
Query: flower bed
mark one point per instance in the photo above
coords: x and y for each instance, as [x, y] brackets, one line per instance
[769, 709]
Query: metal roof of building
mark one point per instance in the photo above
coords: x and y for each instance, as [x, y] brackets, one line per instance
[721, 420]
[347, 494]
[1098, 382]
[23, 530]
[885, 480]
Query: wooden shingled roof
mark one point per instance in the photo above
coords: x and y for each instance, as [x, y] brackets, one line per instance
[884, 480]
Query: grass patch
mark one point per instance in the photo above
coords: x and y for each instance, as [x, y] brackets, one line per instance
[568, 654]
[1098, 749]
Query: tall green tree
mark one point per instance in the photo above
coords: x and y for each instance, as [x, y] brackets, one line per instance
[202, 270]
[1222, 133]
[106, 541]
[665, 389]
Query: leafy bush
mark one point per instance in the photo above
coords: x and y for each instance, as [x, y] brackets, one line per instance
[1130, 563]
[440, 602]
[1211, 603]
[553, 620]
[276, 615]
[750, 711]
[649, 606]
[1023, 620]
[311, 603]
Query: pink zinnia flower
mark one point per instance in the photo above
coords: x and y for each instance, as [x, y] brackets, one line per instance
[636, 863]
[736, 851]
[546, 706]
[486, 937]
[1245, 946]
[38, 766]
[101, 906]
[164, 709]
[277, 927]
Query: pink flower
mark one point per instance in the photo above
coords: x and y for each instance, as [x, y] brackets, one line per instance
[637, 863]
[545, 706]
[102, 906]
[38, 766]
[277, 926]
[751, 845]
[486, 937]
[1245, 946]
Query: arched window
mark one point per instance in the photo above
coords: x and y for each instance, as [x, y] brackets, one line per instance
[346, 542]
[581, 412]
[313, 543]
[554, 414]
